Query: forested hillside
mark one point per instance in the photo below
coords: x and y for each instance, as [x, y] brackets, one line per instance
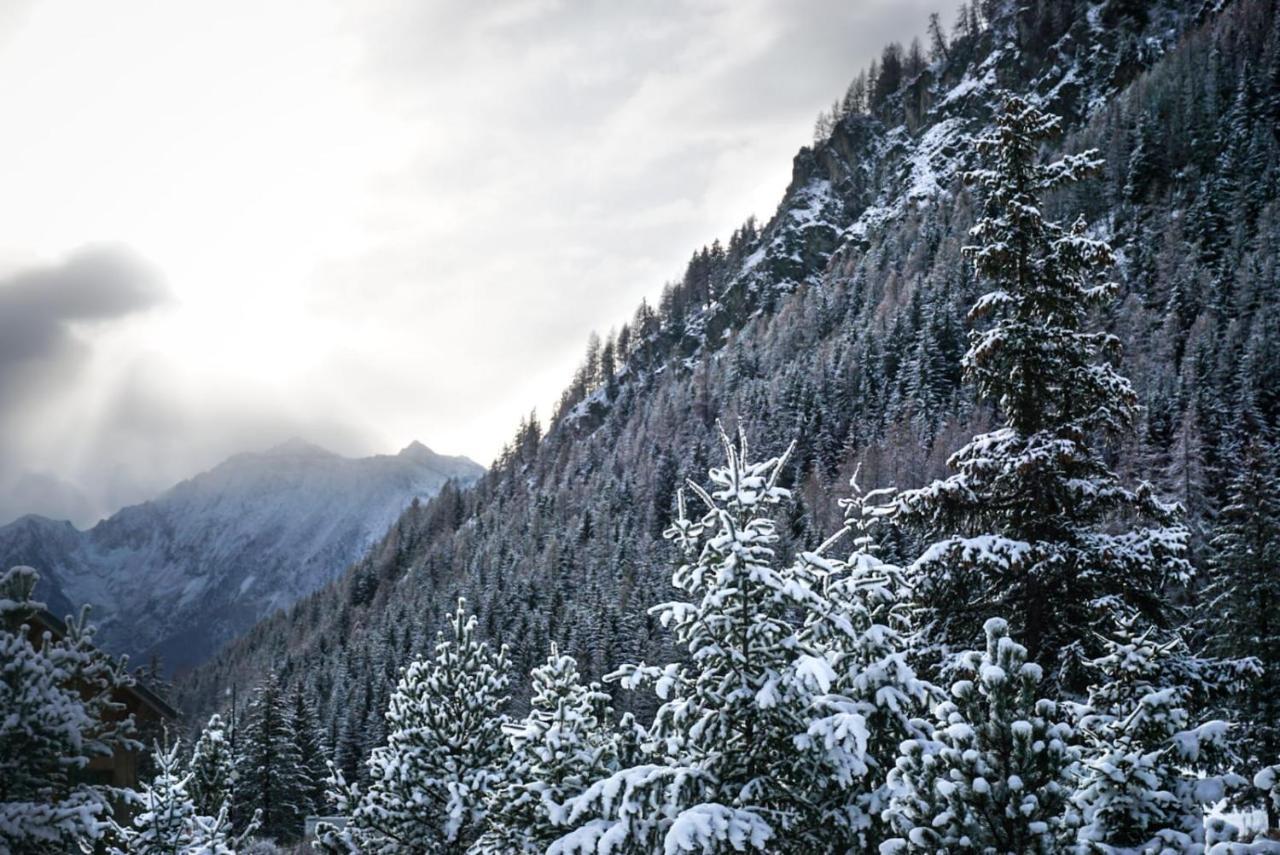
[840, 324]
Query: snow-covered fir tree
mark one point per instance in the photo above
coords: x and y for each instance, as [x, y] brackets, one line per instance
[1241, 605]
[167, 821]
[853, 647]
[445, 752]
[269, 778]
[996, 773]
[566, 742]
[723, 770]
[1024, 521]
[57, 713]
[212, 769]
[1150, 773]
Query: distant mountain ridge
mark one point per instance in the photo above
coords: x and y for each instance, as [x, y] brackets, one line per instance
[181, 575]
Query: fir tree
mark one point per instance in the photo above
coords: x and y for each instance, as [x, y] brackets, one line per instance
[1242, 602]
[313, 762]
[854, 646]
[996, 774]
[564, 744]
[723, 770]
[1024, 518]
[444, 753]
[1149, 774]
[268, 768]
[57, 713]
[212, 769]
[168, 821]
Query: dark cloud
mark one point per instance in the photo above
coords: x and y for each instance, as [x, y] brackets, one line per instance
[48, 316]
[40, 307]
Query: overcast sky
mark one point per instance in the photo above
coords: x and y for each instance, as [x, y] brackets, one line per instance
[226, 223]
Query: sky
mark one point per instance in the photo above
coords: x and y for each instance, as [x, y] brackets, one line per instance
[231, 222]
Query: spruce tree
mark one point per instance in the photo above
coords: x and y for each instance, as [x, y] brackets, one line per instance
[722, 769]
[168, 822]
[1149, 773]
[1025, 521]
[1241, 610]
[313, 762]
[853, 648]
[444, 752]
[564, 744]
[58, 711]
[212, 769]
[996, 773]
[268, 767]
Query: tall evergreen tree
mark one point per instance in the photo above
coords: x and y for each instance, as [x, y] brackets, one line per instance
[269, 778]
[58, 711]
[565, 743]
[212, 769]
[1241, 609]
[313, 760]
[1024, 519]
[444, 753]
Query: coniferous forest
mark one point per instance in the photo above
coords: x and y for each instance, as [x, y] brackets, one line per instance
[939, 513]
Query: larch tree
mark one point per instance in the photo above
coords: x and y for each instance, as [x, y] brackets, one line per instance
[1025, 520]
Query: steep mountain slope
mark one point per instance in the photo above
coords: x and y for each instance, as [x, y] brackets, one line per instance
[181, 575]
[840, 324]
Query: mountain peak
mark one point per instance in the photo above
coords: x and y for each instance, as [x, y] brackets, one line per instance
[417, 451]
[297, 447]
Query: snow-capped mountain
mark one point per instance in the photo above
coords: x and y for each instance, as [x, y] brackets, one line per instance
[183, 574]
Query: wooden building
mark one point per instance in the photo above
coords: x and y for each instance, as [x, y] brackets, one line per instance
[150, 712]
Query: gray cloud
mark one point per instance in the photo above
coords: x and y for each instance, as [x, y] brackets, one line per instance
[48, 317]
[40, 306]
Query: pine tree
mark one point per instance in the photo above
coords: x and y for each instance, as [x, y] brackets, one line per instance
[1149, 774]
[721, 753]
[212, 769]
[168, 822]
[565, 743]
[995, 776]
[444, 752]
[268, 767]
[313, 762]
[57, 697]
[1024, 518]
[1242, 602]
[853, 647]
